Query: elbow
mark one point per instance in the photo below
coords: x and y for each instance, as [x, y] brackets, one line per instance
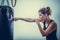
[44, 34]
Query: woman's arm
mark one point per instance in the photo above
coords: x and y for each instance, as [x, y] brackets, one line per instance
[25, 19]
[50, 29]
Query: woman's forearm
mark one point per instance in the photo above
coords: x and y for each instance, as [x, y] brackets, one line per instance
[41, 29]
[27, 19]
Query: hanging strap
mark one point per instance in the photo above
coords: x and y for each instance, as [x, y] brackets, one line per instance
[8, 3]
[13, 5]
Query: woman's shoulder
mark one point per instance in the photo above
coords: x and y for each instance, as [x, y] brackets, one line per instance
[53, 22]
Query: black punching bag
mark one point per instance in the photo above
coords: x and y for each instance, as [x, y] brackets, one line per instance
[6, 17]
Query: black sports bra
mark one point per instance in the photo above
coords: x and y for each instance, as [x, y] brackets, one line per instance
[51, 36]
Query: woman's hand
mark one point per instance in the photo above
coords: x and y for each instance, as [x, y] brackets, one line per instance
[16, 19]
[37, 21]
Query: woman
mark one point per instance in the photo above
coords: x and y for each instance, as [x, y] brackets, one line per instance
[50, 27]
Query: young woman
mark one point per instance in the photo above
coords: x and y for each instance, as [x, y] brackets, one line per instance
[50, 27]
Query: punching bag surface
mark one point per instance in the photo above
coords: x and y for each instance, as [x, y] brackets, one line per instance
[6, 17]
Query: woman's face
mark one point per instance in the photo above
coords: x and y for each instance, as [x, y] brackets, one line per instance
[42, 16]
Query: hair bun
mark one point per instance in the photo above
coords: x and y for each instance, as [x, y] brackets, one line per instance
[48, 8]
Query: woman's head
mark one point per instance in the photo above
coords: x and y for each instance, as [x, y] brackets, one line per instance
[44, 13]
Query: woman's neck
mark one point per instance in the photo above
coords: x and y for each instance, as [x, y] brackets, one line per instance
[48, 20]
